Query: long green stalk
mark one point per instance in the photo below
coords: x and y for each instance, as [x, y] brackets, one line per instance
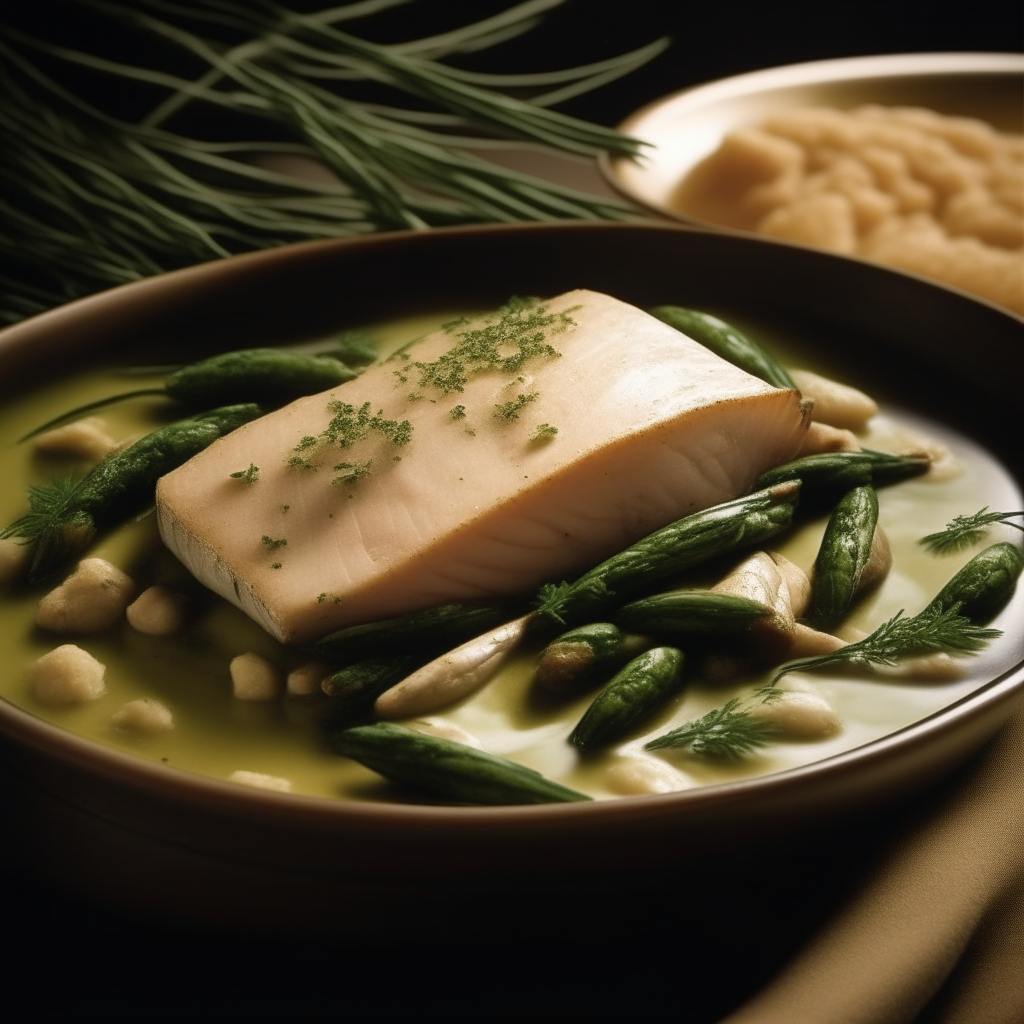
[89, 200]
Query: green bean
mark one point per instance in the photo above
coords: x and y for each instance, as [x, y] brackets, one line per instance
[982, 588]
[845, 549]
[581, 655]
[267, 376]
[66, 516]
[727, 342]
[687, 542]
[432, 628]
[354, 689]
[839, 471]
[637, 691]
[448, 769]
[691, 612]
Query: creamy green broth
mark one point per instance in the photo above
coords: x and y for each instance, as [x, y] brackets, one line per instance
[215, 734]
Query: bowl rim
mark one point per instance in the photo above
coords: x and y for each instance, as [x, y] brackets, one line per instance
[841, 69]
[136, 773]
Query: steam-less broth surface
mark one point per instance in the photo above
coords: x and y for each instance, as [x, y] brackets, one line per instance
[216, 734]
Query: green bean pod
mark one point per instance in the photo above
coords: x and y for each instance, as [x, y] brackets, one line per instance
[637, 691]
[691, 613]
[835, 471]
[436, 628]
[582, 655]
[65, 517]
[745, 522]
[982, 588]
[450, 770]
[354, 689]
[267, 376]
[727, 342]
[845, 549]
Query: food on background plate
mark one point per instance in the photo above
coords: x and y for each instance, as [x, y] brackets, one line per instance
[647, 654]
[941, 196]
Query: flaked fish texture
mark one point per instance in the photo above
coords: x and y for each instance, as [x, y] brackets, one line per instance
[491, 457]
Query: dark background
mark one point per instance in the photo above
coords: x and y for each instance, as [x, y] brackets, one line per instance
[706, 954]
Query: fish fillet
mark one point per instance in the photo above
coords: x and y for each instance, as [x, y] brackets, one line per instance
[610, 425]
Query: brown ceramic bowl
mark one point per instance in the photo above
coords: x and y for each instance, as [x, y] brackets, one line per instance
[135, 834]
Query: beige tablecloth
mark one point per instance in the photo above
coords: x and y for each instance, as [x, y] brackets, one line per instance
[937, 933]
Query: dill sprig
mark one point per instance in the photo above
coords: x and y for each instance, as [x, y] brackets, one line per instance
[90, 200]
[963, 531]
[54, 524]
[726, 733]
[901, 637]
[48, 508]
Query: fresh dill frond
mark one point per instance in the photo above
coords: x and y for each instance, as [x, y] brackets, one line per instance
[726, 734]
[56, 524]
[544, 432]
[550, 598]
[49, 506]
[517, 333]
[273, 543]
[509, 411]
[350, 472]
[900, 637]
[963, 531]
[249, 476]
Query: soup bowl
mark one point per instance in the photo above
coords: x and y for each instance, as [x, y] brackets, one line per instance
[141, 835]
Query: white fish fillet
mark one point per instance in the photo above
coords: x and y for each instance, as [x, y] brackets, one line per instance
[651, 427]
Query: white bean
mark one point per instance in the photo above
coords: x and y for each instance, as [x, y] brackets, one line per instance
[800, 716]
[797, 583]
[445, 730]
[254, 678]
[806, 642]
[306, 679]
[879, 562]
[157, 611]
[257, 780]
[938, 667]
[67, 675]
[452, 676]
[92, 599]
[85, 439]
[820, 437]
[632, 776]
[146, 716]
[836, 404]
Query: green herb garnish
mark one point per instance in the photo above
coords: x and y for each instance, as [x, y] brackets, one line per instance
[899, 637]
[350, 472]
[273, 544]
[517, 333]
[726, 733]
[544, 432]
[509, 411]
[963, 531]
[249, 476]
[91, 200]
